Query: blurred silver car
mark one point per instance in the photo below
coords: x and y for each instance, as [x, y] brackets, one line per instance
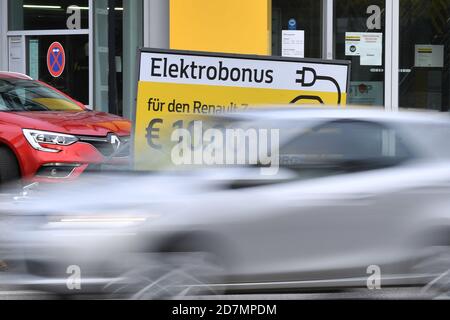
[358, 194]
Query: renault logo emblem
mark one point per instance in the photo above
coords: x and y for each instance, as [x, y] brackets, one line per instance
[115, 141]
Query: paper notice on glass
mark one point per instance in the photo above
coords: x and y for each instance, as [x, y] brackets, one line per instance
[367, 45]
[371, 57]
[352, 43]
[429, 56]
[293, 43]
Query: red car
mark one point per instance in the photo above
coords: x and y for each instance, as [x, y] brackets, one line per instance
[46, 136]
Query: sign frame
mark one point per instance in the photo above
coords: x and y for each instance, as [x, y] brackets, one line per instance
[346, 63]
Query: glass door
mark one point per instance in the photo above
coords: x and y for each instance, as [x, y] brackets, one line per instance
[359, 36]
[424, 56]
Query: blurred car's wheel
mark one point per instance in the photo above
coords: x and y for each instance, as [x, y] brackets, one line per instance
[169, 275]
[183, 274]
[9, 171]
[436, 263]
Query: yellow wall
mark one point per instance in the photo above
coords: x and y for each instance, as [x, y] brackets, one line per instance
[231, 26]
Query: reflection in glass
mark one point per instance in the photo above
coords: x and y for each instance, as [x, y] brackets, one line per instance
[308, 16]
[424, 61]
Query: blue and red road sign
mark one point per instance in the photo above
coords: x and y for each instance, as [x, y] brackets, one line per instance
[56, 59]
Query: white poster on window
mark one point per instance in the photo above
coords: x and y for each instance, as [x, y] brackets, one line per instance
[293, 43]
[429, 56]
[367, 45]
[369, 93]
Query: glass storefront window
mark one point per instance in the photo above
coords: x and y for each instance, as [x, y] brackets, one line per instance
[48, 14]
[424, 79]
[308, 17]
[360, 37]
[115, 56]
[76, 71]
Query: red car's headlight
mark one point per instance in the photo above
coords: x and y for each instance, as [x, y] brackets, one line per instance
[38, 138]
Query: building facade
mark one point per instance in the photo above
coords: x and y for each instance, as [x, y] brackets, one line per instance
[399, 48]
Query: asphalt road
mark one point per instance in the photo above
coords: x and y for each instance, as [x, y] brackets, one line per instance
[357, 294]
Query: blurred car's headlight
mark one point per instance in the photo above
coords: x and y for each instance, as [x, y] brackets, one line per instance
[96, 221]
[102, 220]
[39, 138]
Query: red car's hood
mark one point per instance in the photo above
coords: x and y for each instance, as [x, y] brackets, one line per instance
[80, 123]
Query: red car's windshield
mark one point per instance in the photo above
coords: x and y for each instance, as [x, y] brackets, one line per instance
[28, 95]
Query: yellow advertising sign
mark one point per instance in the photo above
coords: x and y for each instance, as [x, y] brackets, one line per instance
[176, 88]
[232, 26]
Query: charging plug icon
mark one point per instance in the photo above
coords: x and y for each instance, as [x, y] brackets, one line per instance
[308, 78]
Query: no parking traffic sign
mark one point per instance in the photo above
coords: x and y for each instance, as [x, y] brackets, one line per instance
[56, 59]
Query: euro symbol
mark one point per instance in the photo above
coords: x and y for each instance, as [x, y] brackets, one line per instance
[153, 133]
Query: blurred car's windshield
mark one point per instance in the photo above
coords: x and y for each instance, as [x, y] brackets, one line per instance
[28, 95]
[432, 138]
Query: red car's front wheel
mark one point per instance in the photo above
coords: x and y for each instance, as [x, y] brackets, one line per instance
[9, 170]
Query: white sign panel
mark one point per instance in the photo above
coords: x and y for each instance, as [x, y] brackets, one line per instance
[367, 45]
[429, 56]
[274, 74]
[293, 43]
